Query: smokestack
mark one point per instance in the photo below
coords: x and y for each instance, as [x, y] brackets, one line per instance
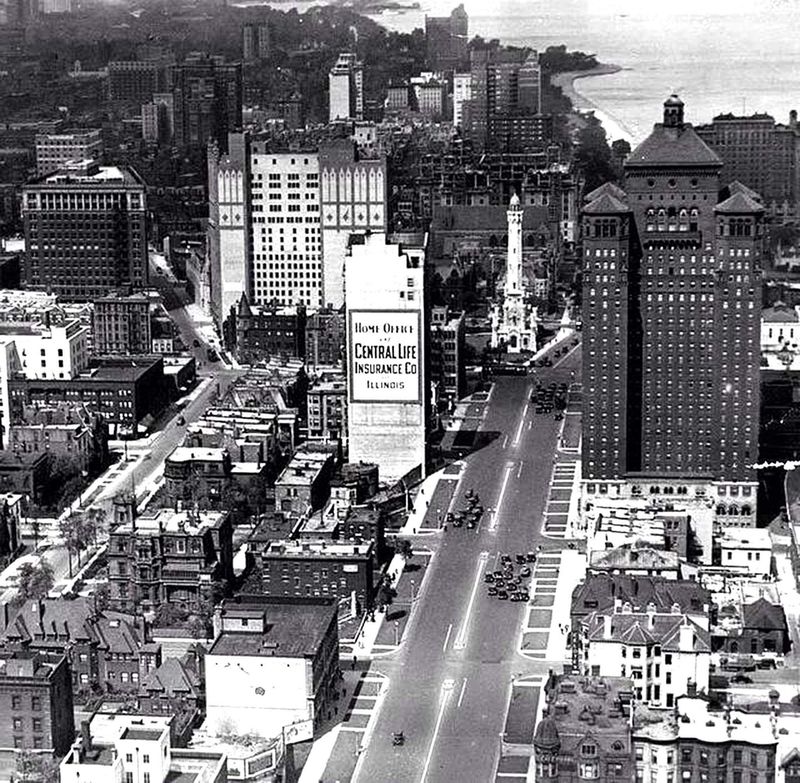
[607, 626]
[86, 736]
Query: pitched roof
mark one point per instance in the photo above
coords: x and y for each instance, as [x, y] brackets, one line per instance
[740, 187]
[599, 592]
[55, 621]
[634, 557]
[641, 628]
[780, 313]
[606, 187]
[764, 615]
[739, 203]
[173, 679]
[673, 146]
[606, 204]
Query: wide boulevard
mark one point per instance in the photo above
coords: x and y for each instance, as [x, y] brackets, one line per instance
[451, 678]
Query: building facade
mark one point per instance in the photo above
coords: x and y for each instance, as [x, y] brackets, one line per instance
[122, 325]
[85, 231]
[387, 389]
[55, 150]
[671, 318]
[346, 89]
[36, 699]
[207, 93]
[274, 661]
[256, 41]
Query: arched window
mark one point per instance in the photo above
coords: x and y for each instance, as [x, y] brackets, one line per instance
[720, 510]
[746, 511]
[492, 241]
[733, 511]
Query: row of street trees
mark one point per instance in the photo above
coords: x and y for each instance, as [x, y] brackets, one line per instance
[79, 532]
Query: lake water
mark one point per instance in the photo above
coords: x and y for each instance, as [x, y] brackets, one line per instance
[719, 55]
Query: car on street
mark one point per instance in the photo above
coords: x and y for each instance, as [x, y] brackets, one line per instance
[488, 577]
[181, 420]
[457, 522]
[449, 517]
[469, 493]
[741, 679]
[502, 595]
[525, 571]
[505, 558]
[520, 558]
[499, 574]
[531, 557]
[470, 525]
[492, 590]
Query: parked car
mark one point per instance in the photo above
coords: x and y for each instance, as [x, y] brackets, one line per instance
[492, 590]
[502, 595]
[741, 679]
[525, 571]
[520, 558]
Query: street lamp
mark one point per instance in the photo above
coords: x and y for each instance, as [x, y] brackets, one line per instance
[396, 633]
[412, 591]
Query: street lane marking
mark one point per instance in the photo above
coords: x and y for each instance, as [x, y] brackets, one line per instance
[521, 424]
[444, 697]
[447, 636]
[496, 514]
[519, 470]
[566, 356]
[463, 688]
[461, 637]
[530, 425]
[505, 441]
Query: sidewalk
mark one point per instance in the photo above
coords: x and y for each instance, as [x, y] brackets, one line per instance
[432, 500]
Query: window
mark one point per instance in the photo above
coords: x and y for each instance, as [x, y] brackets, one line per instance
[17, 724]
[16, 702]
[129, 758]
[146, 777]
[589, 750]
[36, 703]
[37, 724]
[129, 777]
[145, 758]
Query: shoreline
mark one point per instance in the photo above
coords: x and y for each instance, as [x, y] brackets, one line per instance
[580, 103]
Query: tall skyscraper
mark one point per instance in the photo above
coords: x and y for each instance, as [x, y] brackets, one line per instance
[255, 41]
[446, 39]
[387, 383]
[228, 232]
[280, 221]
[346, 89]
[671, 319]
[353, 198]
[207, 95]
[504, 110]
[85, 231]
[761, 154]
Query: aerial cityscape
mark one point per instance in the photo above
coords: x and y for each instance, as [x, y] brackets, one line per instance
[398, 392]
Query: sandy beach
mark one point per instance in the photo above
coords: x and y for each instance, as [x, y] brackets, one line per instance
[567, 82]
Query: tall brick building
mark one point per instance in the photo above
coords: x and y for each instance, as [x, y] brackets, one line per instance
[85, 231]
[671, 318]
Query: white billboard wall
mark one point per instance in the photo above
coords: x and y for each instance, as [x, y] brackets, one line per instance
[385, 356]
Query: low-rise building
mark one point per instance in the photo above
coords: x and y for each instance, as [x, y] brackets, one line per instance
[105, 649]
[327, 409]
[662, 652]
[122, 325]
[263, 332]
[319, 568]
[25, 474]
[746, 550]
[780, 328]
[209, 478]
[129, 393]
[585, 731]
[748, 741]
[635, 560]
[49, 352]
[304, 485]
[274, 662]
[603, 592]
[325, 338]
[446, 350]
[70, 432]
[119, 747]
[35, 703]
[167, 557]
[753, 631]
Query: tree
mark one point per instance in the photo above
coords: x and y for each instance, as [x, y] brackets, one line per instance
[35, 581]
[386, 594]
[72, 529]
[35, 767]
[168, 614]
[405, 549]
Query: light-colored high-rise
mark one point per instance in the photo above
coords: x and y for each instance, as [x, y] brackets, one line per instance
[54, 150]
[346, 89]
[387, 384]
[286, 233]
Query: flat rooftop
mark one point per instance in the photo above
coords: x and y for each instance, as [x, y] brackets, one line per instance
[746, 538]
[317, 549]
[142, 735]
[169, 521]
[104, 176]
[196, 453]
[294, 628]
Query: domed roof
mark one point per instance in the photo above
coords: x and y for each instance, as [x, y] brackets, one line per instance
[673, 100]
[547, 737]
[514, 201]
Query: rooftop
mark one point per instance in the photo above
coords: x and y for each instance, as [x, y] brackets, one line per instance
[745, 538]
[634, 558]
[644, 628]
[317, 549]
[197, 454]
[110, 177]
[600, 591]
[141, 735]
[295, 627]
[167, 520]
[673, 146]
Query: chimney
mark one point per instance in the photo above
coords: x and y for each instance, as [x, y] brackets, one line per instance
[617, 605]
[651, 615]
[686, 636]
[793, 118]
[606, 626]
[691, 689]
[86, 736]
